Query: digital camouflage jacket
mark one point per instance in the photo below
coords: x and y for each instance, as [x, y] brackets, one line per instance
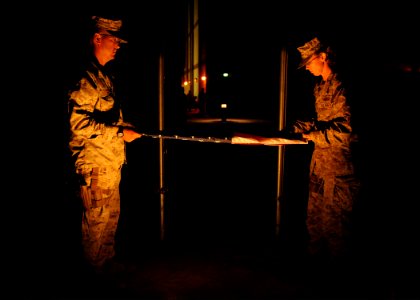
[95, 115]
[331, 131]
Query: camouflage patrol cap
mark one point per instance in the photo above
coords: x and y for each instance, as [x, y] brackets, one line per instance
[308, 50]
[108, 26]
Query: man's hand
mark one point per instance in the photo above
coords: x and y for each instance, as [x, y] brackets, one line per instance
[130, 135]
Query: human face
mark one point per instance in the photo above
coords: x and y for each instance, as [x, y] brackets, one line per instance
[316, 65]
[106, 48]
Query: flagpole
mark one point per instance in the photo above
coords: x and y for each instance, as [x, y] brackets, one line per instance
[281, 148]
[161, 149]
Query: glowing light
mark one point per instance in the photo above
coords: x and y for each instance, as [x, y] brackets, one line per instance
[223, 105]
[203, 78]
[225, 74]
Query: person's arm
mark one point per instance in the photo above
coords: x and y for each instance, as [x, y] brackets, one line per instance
[333, 131]
[85, 120]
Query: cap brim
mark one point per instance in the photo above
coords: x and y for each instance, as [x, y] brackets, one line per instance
[305, 61]
[118, 35]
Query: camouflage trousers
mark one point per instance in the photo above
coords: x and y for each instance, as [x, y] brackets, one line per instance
[329, 214]
[101, 210]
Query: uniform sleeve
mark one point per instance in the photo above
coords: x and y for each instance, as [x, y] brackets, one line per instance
[303, 126]
[334, 130]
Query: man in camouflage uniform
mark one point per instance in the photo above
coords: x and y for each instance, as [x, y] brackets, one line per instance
[97, 143]
[333, 185]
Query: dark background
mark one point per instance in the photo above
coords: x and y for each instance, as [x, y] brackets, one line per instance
[228, 192]
[220, 194]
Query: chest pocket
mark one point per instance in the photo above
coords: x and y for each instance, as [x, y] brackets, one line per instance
[324, 106]
[106, 95]
[106, 100]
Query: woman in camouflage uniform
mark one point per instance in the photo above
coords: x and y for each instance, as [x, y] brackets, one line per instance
[333, 185]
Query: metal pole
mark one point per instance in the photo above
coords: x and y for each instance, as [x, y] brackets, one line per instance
[282, 122]
[161, 150]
